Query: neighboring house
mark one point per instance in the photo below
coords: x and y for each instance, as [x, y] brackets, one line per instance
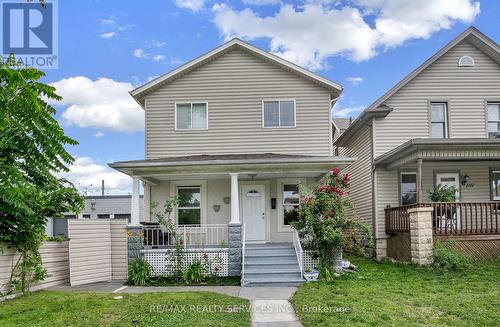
[96, 207]
[233, 133]
[339, 126]
[439, 125]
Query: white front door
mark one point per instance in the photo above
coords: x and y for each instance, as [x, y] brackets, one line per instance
[253, 202]
[449, 180]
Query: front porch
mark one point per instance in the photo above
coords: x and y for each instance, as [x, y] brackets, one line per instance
[225, 202]
[471, 166]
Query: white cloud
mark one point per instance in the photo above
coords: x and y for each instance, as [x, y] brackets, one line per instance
[194, 5]
[103, 103]
[87, 175]
[261, 2]
[139, 53]
[354, 80]
[308, 35]
[347, 111]
[99, 134]
[158, 57]
[156, 43]
[107, 35]
[108, 21]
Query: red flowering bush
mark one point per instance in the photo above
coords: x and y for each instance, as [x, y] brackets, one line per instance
[323, 224]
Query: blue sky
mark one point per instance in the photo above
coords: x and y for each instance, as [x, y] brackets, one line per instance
[108, 47]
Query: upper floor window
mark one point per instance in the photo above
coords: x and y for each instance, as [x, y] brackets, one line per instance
[439, 120]
[279, 113]
[494, 120]
[191, 116]
[189, 207]
[408, 188]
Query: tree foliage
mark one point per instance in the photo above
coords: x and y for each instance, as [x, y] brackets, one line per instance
[32, 153]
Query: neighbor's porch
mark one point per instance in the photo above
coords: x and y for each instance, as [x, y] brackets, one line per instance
[470, 166]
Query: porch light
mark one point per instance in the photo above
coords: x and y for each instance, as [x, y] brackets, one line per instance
[227, 200]
[216, 207]
[465, 179]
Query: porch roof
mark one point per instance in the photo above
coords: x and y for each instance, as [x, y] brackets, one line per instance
[466, 149]
[163, 168]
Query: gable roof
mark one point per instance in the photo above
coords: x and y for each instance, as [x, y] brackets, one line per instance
[139, 93]
[471, 34]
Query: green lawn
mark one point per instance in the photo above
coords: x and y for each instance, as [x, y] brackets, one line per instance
[387, 294]
[48, 308]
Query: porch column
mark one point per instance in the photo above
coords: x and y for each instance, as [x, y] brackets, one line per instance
[421, 241]
[420, 188]
[135, 203]
[235, 202]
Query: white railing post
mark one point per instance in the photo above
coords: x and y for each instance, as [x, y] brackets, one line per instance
[298, 252]
[185, 238]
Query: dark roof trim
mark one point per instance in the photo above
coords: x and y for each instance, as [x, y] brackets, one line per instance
[139, 92]
[365, 117]
[469, 32]
[416, 144]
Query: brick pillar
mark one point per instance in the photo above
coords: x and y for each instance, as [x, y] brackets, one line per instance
[421, 235]
[234, 234]
[134, 245]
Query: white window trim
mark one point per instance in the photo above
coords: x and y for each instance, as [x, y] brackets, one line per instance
[488, 103]
[401, 182]
[279, 113]
[495, 198]
[189, 129]
[446, 121]
[202, 184]
[279, 190]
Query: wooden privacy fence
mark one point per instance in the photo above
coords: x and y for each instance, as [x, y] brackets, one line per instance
[54, 258]
[97, 250]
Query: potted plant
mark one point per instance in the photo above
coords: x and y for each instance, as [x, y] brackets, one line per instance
[311, 275]
[323, 225]
[443, 194]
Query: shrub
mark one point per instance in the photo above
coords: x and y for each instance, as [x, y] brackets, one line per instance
[442, 193]
[194, 273]
[138, 272]
[323, 225]
[446, 258]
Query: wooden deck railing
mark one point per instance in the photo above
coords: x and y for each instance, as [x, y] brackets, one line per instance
[450, 218]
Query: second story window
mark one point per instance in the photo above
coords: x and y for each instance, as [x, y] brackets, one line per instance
[494, 120]
[439, 120]
[278, 113]
[191, 116]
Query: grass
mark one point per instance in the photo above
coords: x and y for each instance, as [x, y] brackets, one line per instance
[388, 294]
[171, 281]
[49, 308]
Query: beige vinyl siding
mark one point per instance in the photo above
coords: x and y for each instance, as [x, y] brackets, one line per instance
[360, 147]
[234, 86]
[387, 194]
[119, 251]
[54, 260]
[464, 88]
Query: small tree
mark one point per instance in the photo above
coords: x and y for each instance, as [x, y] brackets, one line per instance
[323, 224]
[32, 152]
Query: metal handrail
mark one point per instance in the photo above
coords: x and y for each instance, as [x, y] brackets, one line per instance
[243, 241]
[298, 252]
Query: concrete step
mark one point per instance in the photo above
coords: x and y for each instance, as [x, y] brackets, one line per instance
[273, 251]
[268, 245]
[269, 282]
[271, 266]
[280, 259]
[273, 275]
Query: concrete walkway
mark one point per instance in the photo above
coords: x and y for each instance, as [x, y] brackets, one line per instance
[270, 305]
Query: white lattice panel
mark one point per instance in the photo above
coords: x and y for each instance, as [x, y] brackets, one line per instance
[164, 261]
[308, 262]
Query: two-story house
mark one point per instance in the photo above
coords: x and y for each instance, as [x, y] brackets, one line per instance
[233, 133]
[439, 125]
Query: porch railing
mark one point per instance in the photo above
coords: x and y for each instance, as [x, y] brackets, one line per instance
[450, 218]
[189, 236]
[298, 252]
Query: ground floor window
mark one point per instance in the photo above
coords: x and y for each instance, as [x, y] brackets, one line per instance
[495, 184]
[189, 208]
[291, 201]
[408, 188]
